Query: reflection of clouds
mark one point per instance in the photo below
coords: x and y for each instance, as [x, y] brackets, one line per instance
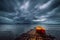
[7, 28]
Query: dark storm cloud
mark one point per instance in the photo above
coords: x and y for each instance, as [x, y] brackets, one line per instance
[26, 10]
[8, 5]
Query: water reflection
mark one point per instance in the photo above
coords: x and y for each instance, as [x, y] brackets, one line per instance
[21, 28]
[17, 29]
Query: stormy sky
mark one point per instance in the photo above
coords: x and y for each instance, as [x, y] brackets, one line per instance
[30, 11]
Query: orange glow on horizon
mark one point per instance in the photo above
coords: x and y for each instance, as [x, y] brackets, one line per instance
[40, 29]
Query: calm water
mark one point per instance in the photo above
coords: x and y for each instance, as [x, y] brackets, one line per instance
[16, 30]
